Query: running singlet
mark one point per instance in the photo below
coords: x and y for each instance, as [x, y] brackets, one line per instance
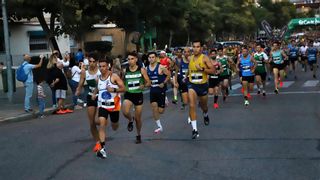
[277, 57]
[184, 67]
[165, 62]
[196, 76]
[156, 79]
[312, 54]
[91, 81]
[225, 65]
[293, 52]
[246, 65]
[133, 80]
[260, 58]
[216, 75]
[108, 100]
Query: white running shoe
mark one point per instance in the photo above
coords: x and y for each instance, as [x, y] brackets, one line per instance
[102, 153]
[80, 101]
[158, 130]
[246, 103]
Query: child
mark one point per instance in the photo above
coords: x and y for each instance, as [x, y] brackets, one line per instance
[41, 96]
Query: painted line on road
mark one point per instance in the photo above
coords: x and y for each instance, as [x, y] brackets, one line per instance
[286, 84]
[236, 86]
[310, 83]
[292, 92]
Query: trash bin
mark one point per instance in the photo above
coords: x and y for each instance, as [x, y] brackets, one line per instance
[5, 81]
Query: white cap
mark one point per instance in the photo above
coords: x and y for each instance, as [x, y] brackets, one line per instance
[162, 52]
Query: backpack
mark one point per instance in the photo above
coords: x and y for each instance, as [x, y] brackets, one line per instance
[21, 74]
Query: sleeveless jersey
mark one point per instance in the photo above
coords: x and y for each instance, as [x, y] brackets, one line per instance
[293, 52]
[225, 65]
[277, 57]
[133, 80]
[259, 57]
[312, 53]
[216, 75]
[196, 76]
[91, 81]
[184, 67]
[156, 79]
[108, 100]
[246, 65]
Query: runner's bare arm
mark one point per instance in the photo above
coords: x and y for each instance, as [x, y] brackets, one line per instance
[209, 69]
[147, 82]
[115, 79]
[81, 82]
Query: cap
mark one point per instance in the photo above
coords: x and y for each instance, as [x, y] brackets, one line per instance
[162, 52]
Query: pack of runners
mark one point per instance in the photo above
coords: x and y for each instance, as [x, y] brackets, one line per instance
[194, 76]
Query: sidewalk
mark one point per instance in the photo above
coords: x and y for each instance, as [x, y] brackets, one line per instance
[15, 111]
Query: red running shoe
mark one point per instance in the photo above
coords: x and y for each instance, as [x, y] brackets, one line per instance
[216, 105]
[60, 111]
[68, 111]
[97, 147]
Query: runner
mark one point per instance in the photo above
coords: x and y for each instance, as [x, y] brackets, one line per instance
[136, 79]
[312, 53]
[226, 63]
[90, 77]
[182, 70]
[261, 73]
[248, 65]
[293, 57]
[176, 63]
[199, 68]
[304, 57]
[159, 76]
[214, 79]
[277, 58]
[109, 87]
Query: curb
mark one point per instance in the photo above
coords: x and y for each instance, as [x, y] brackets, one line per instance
[29, 116]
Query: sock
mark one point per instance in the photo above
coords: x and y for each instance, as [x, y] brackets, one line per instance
[205, 114]
[158, 123]
[102, 144]
[175, 98]
[215, 99]
[194, 125]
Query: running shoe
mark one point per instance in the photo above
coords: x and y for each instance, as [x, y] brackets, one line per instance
[102, 153]
[246, 103]
[68, 111]
[158, 130]
[174, 101]
[259, 92]
[224, 98]
[276, 91]
[189, 120]
[206, 120]
[97, 147]
[264, 93]
[215, 105]
[314, 76]
[281, 84]
[195, 134]
[138, 139]
[182, 107]
[60, 111]
[130, 125]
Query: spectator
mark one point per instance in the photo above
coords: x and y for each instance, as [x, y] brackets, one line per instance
[41, 96]
[116, 67]
[74, 82]
[86, 60]
[79, 56]
[52, 68]
[60, 85]
[28, 84]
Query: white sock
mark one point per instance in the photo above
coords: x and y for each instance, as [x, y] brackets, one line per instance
[158, 123]
[194, 125]
[189, 119]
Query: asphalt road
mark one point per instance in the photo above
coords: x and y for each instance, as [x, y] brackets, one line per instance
[277, 137]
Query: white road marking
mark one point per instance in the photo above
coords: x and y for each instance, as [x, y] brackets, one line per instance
[310, 83]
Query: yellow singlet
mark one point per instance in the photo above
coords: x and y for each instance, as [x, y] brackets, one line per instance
[196, 76]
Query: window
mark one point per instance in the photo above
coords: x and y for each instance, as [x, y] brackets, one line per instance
[106, 38]
[38, 41]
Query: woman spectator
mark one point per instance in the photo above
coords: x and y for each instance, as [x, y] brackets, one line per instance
[74, 81]
[52, 68]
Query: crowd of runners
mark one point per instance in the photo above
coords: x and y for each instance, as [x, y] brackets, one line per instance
[193, 74]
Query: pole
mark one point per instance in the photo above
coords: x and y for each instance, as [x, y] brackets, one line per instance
[8, 53]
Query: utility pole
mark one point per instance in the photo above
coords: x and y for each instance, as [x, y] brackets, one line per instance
[8, 52]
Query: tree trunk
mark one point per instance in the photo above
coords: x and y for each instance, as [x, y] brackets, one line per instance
[170, 39]
[50, 32]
